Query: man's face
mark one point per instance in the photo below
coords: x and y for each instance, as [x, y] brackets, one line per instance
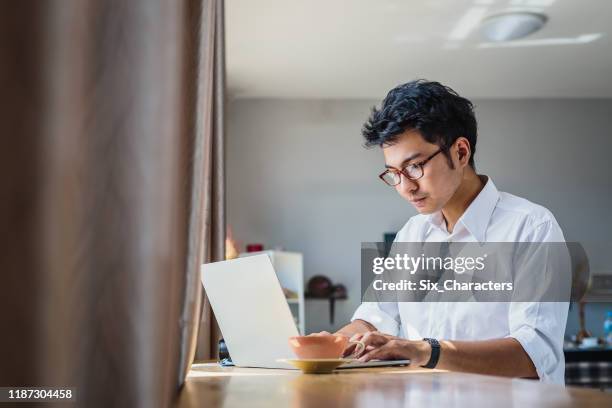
[431, 192]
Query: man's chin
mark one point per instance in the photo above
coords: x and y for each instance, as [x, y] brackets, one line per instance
[424, 211]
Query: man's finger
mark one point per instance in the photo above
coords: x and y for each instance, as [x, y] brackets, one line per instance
[348, 350]
[381, 353]
[374, 339]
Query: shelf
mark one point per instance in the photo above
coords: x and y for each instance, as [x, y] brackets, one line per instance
[308, 297]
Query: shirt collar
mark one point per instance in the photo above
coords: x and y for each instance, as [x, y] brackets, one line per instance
[478, 214]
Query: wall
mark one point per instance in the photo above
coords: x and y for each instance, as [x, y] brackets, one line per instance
[298, 177]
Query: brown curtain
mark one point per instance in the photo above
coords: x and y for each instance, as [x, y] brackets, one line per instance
[213, 122]
[111, 163]
[206, 226]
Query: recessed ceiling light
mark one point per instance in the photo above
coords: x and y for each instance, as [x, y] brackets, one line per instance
[512, 26]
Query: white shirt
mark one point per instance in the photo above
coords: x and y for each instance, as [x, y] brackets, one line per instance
[492, 216]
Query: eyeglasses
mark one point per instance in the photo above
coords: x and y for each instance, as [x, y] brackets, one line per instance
[413, 171]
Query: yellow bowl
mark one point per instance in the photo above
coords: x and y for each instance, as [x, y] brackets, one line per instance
[316, 365]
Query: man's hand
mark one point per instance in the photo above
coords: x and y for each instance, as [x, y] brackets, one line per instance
[380, 346]
[504, 357]
[372, 340]
[352, 331]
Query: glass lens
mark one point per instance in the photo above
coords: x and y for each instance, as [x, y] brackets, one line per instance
[414, 171]
[391, 178]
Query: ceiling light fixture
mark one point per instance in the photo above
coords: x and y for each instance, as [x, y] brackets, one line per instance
[512, 26]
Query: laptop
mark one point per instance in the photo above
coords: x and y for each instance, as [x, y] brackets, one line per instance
[253, 314]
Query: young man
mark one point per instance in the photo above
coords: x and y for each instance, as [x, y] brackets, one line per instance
[427, 133]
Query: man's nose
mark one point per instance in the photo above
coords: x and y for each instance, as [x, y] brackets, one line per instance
[407, 185]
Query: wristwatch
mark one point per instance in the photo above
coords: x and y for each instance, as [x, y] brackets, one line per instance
[435, 353]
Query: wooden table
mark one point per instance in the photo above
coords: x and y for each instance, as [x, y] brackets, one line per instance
[209, 385]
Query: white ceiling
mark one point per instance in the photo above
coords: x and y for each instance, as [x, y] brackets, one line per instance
[362, 48]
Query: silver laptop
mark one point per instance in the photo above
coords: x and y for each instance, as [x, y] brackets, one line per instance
[253, 314]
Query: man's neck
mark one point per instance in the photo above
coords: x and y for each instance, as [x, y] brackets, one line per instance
[468, 190]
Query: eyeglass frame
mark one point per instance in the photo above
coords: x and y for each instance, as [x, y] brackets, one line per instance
[405, 173]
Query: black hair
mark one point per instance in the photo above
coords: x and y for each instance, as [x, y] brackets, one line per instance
[439, 114]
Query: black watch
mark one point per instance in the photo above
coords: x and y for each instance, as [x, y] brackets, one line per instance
[435, 353]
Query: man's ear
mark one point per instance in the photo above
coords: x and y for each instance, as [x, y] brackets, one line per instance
[463, 150]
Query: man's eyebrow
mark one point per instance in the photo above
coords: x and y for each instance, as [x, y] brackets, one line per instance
[406, 160]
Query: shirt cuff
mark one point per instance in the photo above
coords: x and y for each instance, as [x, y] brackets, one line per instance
[540, 351]
[371, 313]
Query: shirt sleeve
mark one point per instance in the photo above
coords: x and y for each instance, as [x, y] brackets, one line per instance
[540, 326]
[382, 315]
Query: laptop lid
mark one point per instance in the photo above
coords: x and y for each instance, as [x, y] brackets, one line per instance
[251, 310]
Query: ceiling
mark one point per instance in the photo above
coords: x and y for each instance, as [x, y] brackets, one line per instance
[359, 49]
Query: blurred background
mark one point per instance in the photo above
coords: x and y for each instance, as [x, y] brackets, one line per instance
[303, 76]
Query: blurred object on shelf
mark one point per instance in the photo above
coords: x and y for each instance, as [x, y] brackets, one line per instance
[589, 342]
[583, 333]
[608, 329]
[230, 249]
[321, 287]
[290, 294]
[339, 291]
[254, 247]
[231, 245]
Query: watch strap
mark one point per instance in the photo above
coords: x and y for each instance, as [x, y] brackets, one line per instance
[435, 353]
